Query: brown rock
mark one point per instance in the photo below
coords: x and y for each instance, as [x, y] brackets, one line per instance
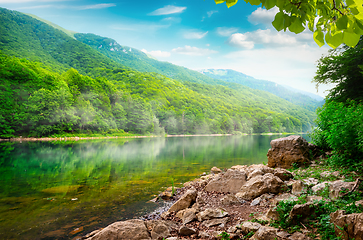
[247, 227]
[185, 201]
[348, 226]
[283, 174]
[215, 170]
[231, 181]
[267, 233]
[160, 230]
[131, 229]
[337, 188]
[298, 187]
[189, 215]
[211, 213]
[284, 197]
[230, 199]
[185, 231]
[259, 185]
[215, 221]
[300, 212]
[298, 236]
[285, 152]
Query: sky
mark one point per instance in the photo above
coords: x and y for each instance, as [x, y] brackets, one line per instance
[197, 34]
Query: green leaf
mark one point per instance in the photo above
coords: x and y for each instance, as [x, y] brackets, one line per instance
[342, 22]
[253, 2]
[280, 3]
[282, 21]
[334, 40]
[296, 26]
[270, 4]
[319, 37]
[229, 3]
[349, 2]
[351, 39]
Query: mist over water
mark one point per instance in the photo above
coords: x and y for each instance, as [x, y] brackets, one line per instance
[59, 190]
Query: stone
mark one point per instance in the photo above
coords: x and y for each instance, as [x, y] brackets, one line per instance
[257, 168]
[313, 198]
[215, 221]
[211, 213]
[215, 170]
[132, 229]
[319, 187]
[272, 214]
[230, 199]
[259, 185]
[204, 235]
[288, 151]
[247, 227]
[267, 233]
[300, 212]
[172, 238]
[189, 215]
[160, 230]
[284, 197]
[231, 182]
[283, 234]
[311, 181]
[185, 231]
[298, 236]
[185, 201]
[298, 187]
[359, 203]
[256, 172]
[255, 201]
[337, 188]
[283, 174]
[348, 226]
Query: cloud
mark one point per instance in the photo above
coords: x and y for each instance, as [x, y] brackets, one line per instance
[139, 27]
[195, 35]
[97, 6]
[210, 13]
[167, 10]
[157, 53]
[269, 38]
[225, 31]
[193, 51]
[263, 16]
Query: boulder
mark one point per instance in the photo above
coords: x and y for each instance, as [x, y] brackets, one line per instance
[185, 201]
[189, 215]
[283, 174]
[272, 214]
[300, 212]
[298, 236]
[230, 199]
[313, 198]
[337, 188]
[215, 221]
[131, 229]
[319, 187]
[258, 168]
[160, 231]
[311, 181]
[288, 151]
[185, 231]
[284, 197]
[248, 226]
[231, 182]
[267, 233]
[298, 187]
[215, 170]
[259, 185]
[348, 226]
[211, 213]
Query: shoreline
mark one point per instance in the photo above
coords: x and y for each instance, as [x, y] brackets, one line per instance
[33, 139]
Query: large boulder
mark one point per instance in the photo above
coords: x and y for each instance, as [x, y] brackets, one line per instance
[131, 229]
[348, 226]
[231, 181]
[185, 201]
[259, 185]
[288, 151]
[211, 213]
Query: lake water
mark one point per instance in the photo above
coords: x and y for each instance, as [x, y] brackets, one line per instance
[61, 190]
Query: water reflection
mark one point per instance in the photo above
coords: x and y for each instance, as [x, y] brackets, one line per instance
[58, 190]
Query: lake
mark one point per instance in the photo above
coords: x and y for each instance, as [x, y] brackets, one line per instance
[65, 189]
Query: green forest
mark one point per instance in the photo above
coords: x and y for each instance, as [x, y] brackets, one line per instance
[52, 83]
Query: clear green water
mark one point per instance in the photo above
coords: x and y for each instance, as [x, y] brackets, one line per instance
[61, 190]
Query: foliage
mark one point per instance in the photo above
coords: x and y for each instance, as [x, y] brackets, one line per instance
[342, 67]
[339, 128]
[337, 21]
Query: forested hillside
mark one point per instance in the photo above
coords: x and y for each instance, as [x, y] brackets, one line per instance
[65, 86]
[295, 97]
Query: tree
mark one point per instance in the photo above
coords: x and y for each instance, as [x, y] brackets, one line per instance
[343, 68]
[335, 21]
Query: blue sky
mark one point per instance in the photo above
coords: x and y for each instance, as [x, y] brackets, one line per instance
[196, 34]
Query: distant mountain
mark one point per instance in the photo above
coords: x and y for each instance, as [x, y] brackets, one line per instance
[105, 93]
[307, 100]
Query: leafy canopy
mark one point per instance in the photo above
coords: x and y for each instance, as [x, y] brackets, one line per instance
[335, 21]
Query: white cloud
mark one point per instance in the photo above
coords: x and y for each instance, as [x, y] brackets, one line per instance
[157, 53]
[240, 40]
[167, 10]
[193, 51]
[97, 6]
[225, 31]
[210, 13]
[139, 27]
[195, 35]
[263, 16]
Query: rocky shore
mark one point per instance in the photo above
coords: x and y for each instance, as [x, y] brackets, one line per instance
[253, 202]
